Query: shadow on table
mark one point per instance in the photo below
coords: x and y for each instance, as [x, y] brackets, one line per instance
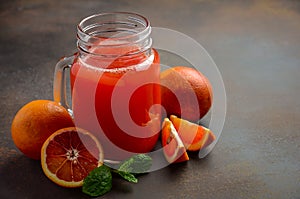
[180, 169]
[22, 177]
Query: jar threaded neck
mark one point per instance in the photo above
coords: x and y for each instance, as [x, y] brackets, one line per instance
[114, 34]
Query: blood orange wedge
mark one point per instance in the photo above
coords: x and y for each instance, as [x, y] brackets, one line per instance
[193, 136]
[173, 147]
[69, 154]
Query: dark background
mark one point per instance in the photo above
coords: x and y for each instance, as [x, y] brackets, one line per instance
[255, 44]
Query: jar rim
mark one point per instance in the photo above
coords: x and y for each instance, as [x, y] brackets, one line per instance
[80, 26]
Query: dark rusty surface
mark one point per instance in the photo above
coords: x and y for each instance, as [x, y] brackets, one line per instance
[256, 45]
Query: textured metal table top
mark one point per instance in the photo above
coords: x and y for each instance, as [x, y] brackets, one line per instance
[256, 46]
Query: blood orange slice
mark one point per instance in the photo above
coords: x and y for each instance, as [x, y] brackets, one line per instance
[173, 147]
[69, 154]
[194, 137]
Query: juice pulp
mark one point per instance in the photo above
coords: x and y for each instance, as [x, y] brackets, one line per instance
[115, 101]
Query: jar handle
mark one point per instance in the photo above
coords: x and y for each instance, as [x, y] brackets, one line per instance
[60, 83]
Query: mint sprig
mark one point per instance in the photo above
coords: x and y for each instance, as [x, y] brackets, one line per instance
[127, 176]
[140, 163]
[99, 180]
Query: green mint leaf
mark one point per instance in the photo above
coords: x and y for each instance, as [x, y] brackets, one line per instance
[128, 176]
[140, 163]
[98, 182]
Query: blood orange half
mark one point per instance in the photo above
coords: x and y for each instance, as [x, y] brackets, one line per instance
[69, 154]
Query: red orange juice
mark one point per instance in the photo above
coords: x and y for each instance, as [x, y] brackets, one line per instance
[115, 100]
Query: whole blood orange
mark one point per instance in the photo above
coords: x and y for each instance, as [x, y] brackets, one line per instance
[68, 156]
[193, 136]
[35, 122]
[185, 92]
[173, 147]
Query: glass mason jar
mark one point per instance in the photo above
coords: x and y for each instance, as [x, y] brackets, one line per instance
[114, 80]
